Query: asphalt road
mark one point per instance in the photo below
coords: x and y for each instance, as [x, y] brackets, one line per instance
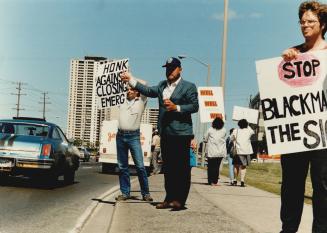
[31, 207]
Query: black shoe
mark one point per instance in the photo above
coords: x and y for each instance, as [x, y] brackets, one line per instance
[234, 183]
[176, 206]
[147, 197]
[163, 205]
[122, 197]
[242, 184]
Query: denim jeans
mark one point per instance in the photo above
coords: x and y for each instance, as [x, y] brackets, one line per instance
[230, 167]
[125, 142]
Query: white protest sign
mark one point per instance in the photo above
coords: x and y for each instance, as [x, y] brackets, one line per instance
[251, 115]
[211, 103]
[293, 100]
[110, 89]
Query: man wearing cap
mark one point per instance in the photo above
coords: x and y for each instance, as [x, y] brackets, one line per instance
[178, 99]
[128, 138]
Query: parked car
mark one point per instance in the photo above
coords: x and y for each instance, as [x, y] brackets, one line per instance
[84, 154]
[36, 148]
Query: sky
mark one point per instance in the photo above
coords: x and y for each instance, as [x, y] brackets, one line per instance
[40, 37]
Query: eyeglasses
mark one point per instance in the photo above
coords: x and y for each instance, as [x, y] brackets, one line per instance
[308, 22]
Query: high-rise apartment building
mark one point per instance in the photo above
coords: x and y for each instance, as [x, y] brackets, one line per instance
[150, 116]
[83, 120]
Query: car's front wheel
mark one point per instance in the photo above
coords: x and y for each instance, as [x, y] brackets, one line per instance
[3, 177]
[69, 176]
[52, 179]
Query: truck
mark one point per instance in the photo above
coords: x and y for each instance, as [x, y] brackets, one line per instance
[108, 151]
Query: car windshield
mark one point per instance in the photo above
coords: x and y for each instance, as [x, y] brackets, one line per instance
[24, 129]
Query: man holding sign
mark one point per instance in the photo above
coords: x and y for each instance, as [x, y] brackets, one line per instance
[301, 70]
[128, 138]
[178, 99]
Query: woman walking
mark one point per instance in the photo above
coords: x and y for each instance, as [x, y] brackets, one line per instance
[216, 143]
[241, 138]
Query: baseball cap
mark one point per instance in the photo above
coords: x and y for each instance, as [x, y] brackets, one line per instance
[172, 62]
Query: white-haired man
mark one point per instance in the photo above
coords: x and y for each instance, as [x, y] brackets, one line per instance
[128, 138]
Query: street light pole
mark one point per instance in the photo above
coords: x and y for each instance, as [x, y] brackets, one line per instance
[208, 76]
[202, 63]
[223, 55]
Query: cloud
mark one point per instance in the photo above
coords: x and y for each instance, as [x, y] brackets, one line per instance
[234, 15]
[256, 15]
[231, 15]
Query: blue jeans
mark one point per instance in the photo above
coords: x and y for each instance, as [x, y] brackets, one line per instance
[230, 167]
[130, 141]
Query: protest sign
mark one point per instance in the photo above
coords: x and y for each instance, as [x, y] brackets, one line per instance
[211, 103]
[251, 115]
[293, 100]
[109, 88]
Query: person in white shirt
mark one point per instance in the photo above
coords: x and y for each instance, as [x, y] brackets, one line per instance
[128, 138]
[216, 144]
[242, 137]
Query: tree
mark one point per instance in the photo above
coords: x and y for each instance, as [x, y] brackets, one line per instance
[77, 142]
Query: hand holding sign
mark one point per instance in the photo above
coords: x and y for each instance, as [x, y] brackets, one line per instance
[290, 54]
[125, 76]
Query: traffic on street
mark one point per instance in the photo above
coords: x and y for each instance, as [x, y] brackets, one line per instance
[30, 205]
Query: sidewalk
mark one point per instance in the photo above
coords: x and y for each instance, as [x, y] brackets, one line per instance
[209, 209]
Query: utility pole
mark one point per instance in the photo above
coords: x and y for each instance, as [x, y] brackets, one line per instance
[44, 102]
[19, 88]
[223, 54]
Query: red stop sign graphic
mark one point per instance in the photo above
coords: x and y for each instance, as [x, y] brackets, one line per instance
[303, 71]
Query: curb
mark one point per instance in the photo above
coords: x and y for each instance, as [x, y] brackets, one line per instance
[83, 219]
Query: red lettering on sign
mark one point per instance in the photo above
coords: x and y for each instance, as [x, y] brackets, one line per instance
[111, 136]
[206, 92]
[210, 103]
[215, 115]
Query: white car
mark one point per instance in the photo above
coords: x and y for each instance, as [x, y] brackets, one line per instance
[84, 154]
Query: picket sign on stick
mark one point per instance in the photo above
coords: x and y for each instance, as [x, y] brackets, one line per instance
[294, 104]
[211, 103]
[251, 115]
